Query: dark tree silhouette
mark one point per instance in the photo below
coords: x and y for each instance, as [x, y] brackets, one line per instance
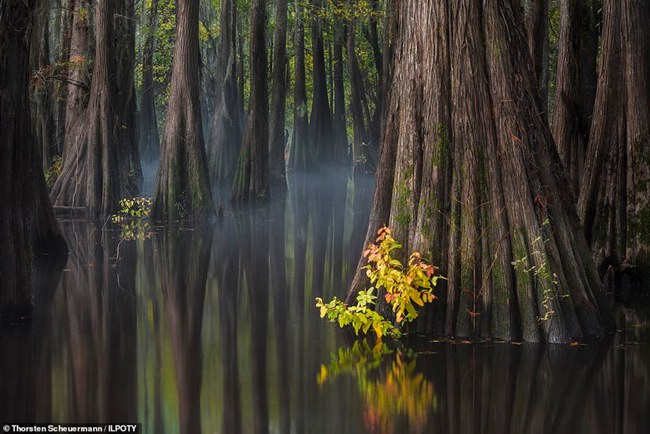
[27, 223]
[225, 136]
[252, 174]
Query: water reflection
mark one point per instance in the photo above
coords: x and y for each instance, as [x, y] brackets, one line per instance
[213, 329]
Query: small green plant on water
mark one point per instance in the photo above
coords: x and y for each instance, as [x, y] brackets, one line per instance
[406, 288]
[132, 218]
[542, 272]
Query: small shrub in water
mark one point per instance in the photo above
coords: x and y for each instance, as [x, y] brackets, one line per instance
[406, 288]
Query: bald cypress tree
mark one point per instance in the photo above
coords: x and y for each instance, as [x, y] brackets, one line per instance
[27, 223]
[182, 184]
[252, 175]
[614, 199]
[469, 176]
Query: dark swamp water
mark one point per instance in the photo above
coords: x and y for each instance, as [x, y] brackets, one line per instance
[214, 329]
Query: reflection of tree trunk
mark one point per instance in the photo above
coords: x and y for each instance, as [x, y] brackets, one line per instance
[225, 263]
[280, 306]
[253, 234]
[183, 258]
[99, 303]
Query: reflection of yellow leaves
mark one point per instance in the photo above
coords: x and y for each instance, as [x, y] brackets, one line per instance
[322, 376]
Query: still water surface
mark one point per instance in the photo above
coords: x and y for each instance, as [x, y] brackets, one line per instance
[213, 329]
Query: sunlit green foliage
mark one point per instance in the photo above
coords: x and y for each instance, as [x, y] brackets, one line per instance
[132, 218]
[406, 288]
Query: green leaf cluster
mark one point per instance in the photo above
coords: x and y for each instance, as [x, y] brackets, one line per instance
[406, 288]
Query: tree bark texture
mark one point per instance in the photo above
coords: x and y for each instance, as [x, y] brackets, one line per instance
[182, 188]
[277, 138]
[79, 64]
[148, 122]
[98, 160]
[574, 93]
[538, 43]
[225, 136]
[252, 175]
[615, 184]
[470, 177]
[27, 223]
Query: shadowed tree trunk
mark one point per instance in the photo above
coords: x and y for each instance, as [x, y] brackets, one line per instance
[302, 157]
[148, 123]
[27, 223]
[320, 123]
[182, 184]
[360, 149]
[252, 174]
[97, 165]
[225, 137]
[277, 140]
[60, 38]
[469, 176]
[79, 64]
[574, 89]
[127, 134]
[40, 87]
[538, 43]
[340, 143]
[615, 186]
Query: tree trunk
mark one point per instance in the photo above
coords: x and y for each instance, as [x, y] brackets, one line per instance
[360, 149]
[40, 86]
[277, 139]
[127, 109]
[574, 94]
[225, 137]
[78, 69]
[252, 175]
[302, 157]
[182, 184]
[320, 123]
[340, 125]
[469, 176]
[148, 123]
[97, 165]
[27, 223]
[615, 185]
[62, 37]
[538, 43]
